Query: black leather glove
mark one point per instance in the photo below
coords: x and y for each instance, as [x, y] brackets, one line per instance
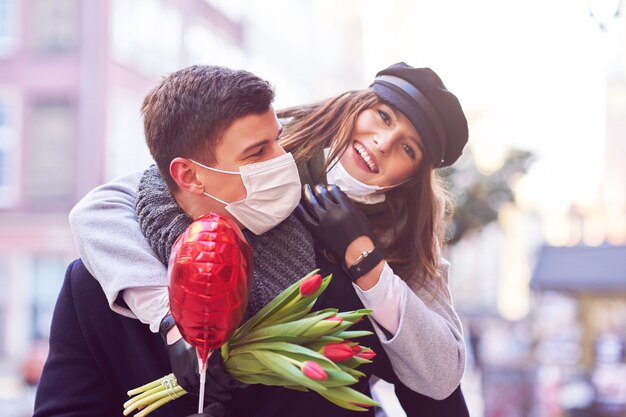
[215, 409]
[332, 218]
[219, 383]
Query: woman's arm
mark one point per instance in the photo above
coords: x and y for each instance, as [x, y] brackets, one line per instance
[113, 247]
[427, 351]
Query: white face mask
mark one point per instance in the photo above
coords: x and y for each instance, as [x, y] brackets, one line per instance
[273, 189]
[357, 191]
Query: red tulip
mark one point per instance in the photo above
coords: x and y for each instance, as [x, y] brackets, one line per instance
[314, 371]
[367, 353]
[356, 348]
[335, 318]
[337, 352]
[310, 285]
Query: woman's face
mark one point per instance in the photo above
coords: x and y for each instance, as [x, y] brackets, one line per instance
[384, 147]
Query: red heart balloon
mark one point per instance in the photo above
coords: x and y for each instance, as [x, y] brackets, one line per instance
[209, 272]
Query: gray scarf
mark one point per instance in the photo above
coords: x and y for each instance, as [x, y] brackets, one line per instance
[281, 256]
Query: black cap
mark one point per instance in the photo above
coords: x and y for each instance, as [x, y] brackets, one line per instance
[435, 112]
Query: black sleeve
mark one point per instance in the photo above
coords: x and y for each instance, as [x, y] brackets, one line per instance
[71, 383]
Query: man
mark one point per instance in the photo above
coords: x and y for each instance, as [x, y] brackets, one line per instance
[222, 118]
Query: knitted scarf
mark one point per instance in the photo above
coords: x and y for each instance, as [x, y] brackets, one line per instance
[280, 257]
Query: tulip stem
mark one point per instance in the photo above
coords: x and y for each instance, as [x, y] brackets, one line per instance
[154, 406]
[145, 394]
[295, 299]
[146, 387]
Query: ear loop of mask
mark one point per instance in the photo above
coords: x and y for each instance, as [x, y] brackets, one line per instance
[216, 170]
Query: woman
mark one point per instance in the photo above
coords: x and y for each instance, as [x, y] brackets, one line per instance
[380, 147]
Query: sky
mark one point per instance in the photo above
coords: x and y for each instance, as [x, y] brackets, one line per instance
[530, 74]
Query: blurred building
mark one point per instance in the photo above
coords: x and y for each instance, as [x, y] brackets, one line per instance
[72, 77]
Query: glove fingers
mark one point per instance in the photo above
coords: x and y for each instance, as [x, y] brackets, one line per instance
[306, 218]
[318, 193]
[321, 192]
[313, 202]
[338, 196]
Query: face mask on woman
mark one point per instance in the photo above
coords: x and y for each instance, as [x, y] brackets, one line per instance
[357, 191]
[273, 192]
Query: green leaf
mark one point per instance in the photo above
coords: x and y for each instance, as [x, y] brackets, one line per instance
[296, 315]
[271, 380]
[350, 375]
[324, 311]
[244, 363]
[339, 379]
[355, 361]
[282, 367]
[293, 329]
[355, 373]
[320, 328]
[280, 300]
[355, 315]
[347, 398]
[297, 307]
[301, 309]
[297, 388]
[353, 334]
[288, 349]
[343, 404]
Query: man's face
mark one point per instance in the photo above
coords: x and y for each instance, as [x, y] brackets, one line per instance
[250, 139]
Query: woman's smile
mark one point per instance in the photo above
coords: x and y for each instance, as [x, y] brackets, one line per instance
[364, 158]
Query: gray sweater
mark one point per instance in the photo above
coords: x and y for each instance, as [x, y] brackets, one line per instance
[427, 352]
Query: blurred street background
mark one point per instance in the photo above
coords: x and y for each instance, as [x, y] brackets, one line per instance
[538, 245]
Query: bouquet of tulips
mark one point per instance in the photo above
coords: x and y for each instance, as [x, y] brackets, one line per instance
[285, 344]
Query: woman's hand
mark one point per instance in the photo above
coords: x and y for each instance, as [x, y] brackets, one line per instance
[333, 219]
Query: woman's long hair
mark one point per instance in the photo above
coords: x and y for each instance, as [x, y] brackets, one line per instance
[412, 233]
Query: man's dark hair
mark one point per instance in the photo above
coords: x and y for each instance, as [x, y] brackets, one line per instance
[186, 114]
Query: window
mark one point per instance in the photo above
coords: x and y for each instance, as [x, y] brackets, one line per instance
[55, 25]
[48, 275]
[8, 19]
[49, 153]
[3, 308]
[8, 149]
[154, 46]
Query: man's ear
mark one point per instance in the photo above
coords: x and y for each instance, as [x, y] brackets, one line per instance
[183, 171]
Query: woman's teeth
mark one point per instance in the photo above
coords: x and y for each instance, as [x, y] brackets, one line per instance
[363, 153]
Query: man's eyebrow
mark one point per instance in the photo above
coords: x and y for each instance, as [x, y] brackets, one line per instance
[262, 142]
[256, 145]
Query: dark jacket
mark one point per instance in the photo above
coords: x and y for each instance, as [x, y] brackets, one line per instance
[97, 355]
